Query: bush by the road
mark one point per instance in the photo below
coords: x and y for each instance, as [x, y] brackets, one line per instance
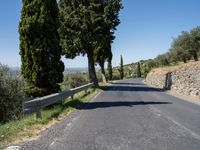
[72, 80]
[116, 76]
[11, 94]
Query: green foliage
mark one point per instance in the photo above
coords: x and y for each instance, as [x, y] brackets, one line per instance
[72, 80]
[183, 48]
[39, 47]
[180, 47]
[145, 71]
[195, 43]
[87, 28]
[11, 95]
[99, 77]
[116, 76]
[121, 69]
[102, 55]
[80, 25]
[162, 60]
[186, 46]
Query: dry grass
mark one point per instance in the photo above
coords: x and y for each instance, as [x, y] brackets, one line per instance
[164, 70]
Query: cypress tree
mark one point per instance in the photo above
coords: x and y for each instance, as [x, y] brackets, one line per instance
[121, 69]
[39, 47]
[100, 59]
[139, 74]
[110, 72]
[104, 52]
[111, 17]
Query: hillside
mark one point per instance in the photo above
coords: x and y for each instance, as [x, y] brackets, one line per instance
[130, 69]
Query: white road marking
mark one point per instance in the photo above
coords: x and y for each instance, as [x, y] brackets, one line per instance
[69, 124]
[159, 113]
[96, 96]
[52, 143]
[13, 148]
[196, 136]
[155, 111]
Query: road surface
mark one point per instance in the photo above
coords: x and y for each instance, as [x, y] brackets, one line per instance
[127, 115]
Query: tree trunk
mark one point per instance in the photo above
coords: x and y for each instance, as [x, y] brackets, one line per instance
[184, 60]
[110, 69]
[195, 55]
[103, 74]
[91, 68]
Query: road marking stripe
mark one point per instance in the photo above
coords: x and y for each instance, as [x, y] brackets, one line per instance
[186, 129]
[159, 113]
[13, 148]
[96, 96]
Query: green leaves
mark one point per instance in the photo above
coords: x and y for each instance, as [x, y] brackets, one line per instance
[87, 28]
[186, 45]
[39, 47]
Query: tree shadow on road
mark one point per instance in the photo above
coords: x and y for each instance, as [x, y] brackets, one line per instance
[95, 105]
[131, 88]
[123, 83]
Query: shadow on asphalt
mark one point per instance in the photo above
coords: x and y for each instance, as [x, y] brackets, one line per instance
[95, 105]
[131, 88]
[118, 87]
[122, 83]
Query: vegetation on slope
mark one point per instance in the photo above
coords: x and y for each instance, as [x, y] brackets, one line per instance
[184, 48]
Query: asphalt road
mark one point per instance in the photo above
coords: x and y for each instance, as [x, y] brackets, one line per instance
[127, 115]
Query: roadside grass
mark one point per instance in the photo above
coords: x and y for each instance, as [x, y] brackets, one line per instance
[28, 128]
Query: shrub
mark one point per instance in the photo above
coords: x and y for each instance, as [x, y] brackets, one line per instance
[116, 76]
[72, 80]
[99, 77]
[11, 94]
[77, 80]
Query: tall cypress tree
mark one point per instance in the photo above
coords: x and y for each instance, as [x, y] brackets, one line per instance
[110, 72]
[139, 74]
[111, 17]
[121, 69]
[104, 52]
[39, 47]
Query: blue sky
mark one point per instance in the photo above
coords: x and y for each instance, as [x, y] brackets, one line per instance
[146, 30]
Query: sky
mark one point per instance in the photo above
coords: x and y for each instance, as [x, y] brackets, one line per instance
[147, 29]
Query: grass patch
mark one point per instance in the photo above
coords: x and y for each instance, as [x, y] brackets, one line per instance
[28, 128]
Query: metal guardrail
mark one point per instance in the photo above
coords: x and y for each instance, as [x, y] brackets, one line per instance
[37, 104]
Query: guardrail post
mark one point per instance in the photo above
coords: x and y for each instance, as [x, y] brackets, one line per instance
[86, 91]
[38, 114]
[39, 111]
[72, 97]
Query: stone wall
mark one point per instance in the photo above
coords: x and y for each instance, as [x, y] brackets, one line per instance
[183, 79]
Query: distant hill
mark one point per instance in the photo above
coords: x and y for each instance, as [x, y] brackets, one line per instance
[77, 69]
[67, 70]
[15, 70]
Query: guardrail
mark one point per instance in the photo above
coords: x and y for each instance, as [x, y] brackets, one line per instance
[37, 104]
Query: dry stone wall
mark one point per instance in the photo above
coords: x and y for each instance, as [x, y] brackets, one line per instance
[183, 79]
